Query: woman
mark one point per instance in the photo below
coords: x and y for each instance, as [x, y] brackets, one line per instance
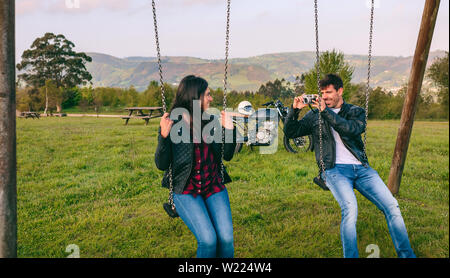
[200, 196]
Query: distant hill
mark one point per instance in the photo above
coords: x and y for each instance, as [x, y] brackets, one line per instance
[244, 73]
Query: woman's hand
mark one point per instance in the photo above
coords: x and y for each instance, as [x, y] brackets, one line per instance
[165, 124]
[226, 120]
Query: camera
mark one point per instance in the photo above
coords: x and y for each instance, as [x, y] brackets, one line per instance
[308, 99]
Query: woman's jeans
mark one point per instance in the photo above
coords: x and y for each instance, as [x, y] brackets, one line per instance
[341, 180]
[210, 222]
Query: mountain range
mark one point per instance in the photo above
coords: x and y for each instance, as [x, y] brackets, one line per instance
[389, 72]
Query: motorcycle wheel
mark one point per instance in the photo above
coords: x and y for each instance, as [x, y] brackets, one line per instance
[299, 144]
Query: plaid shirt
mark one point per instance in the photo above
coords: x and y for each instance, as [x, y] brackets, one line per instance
[205, 178]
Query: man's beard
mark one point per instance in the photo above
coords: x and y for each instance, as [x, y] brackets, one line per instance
[331, 105]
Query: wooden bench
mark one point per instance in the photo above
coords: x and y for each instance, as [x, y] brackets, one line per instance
[29, 114]
[146, 118]
[139, 114]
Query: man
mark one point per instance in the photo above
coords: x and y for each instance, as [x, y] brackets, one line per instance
[345, 162]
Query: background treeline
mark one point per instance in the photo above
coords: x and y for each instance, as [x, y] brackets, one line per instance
[54, 78]
[383, 104]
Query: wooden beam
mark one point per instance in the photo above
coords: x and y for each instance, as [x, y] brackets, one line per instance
[8, 194]
[429, 15]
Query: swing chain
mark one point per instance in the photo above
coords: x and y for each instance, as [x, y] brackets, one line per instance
[161, 81]
[322, 165]
[368, 77]
[163, 98]
[367, 94]
[227, 40]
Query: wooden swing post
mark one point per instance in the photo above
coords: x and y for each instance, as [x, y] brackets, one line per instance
[414, 85]
[8, 195]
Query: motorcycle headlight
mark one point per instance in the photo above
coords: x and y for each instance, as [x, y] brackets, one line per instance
[261, 135]
[269, 125]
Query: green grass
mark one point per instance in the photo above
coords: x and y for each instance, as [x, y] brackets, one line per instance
[93, 182]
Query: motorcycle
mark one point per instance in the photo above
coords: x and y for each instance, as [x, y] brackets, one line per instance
[264, 130]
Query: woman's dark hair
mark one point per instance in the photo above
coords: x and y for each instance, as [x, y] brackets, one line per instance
[190, 88]
[331, 79]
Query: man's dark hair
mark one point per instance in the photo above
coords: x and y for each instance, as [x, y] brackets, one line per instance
[331, 79]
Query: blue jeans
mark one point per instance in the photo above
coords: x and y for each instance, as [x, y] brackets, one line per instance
[341, 180]
[210, 222]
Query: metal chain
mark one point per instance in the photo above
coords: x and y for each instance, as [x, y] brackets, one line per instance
[368, 77]
[163, 98]
[322, 165]
[161, 81]
[225, 79]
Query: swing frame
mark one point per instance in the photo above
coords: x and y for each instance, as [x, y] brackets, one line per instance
[8, 215]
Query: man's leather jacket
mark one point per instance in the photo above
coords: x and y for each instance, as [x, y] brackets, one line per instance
[350, 123]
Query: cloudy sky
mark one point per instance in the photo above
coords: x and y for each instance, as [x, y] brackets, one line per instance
[197, 27]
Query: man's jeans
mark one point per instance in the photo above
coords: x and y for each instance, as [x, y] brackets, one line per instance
[341, 180]
[210, 222]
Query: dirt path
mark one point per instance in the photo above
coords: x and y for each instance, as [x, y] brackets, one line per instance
[95, 115]
[84, 115]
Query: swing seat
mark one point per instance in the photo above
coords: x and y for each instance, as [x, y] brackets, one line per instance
[321, 183]
[171, 212]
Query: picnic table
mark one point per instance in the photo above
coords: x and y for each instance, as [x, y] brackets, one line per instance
[29, 114]
[138, 113]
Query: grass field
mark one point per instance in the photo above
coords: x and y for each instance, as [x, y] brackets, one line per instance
[93, 182]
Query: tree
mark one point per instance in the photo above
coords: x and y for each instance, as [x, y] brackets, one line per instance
[299, 85]
[73, 97]
[217, 96]
[87, 98]
[152, 96]
[51, 57]
[23, 100]
[276, 89]
[357, 95]
[33, 99]
[438, 73]
[52, 94]
[329, 62]
[130, 97]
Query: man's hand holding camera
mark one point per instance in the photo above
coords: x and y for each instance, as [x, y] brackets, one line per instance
[318, 100]
[298, 102]
[305, 100]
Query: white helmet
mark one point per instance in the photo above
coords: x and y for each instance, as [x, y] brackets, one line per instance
[245, 107]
